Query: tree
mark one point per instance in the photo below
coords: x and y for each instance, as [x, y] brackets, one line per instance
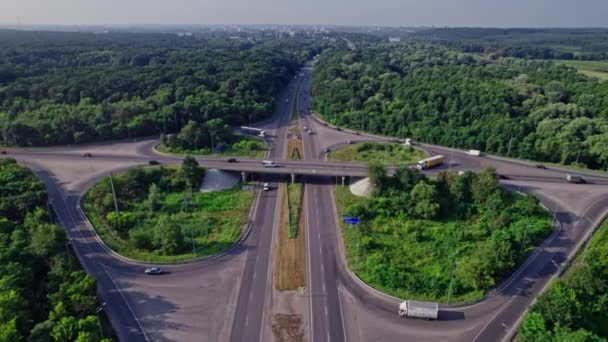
[424, 200]
[484, 185]
[191, 172]
[377, 177]
[533, 328]
[168, 236]
[154, 198]
[558, 306]
[9, 331]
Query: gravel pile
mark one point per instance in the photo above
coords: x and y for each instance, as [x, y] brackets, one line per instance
[362, 188]
[216, 180]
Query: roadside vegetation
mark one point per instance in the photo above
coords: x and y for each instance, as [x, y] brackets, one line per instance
[535, 110]
[75, 87]
[449, 239]
[44, 293]
[163, 217]
[227, 145]
[378, 152]
[574, 307]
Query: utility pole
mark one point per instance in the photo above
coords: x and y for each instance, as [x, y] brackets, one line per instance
[580, 147]
[523, 240]
[97, 311]
[509, 149]
[114, 194]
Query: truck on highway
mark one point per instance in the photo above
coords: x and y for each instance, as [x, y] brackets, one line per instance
[430, 162]
[415, 309]
[252, 130]
[475, 153]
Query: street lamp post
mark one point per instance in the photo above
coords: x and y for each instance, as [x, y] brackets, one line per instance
[68, 243]
[97, 311]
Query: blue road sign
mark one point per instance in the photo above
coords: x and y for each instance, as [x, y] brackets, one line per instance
[350, 220]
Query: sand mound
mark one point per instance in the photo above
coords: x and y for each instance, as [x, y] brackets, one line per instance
[361, 188]
[216, 180]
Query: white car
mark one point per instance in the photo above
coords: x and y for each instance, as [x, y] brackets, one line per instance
[266, 187]
[153, 270]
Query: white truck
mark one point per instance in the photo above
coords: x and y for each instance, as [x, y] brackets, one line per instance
[475, 153]
[416, 309]
[574, 179]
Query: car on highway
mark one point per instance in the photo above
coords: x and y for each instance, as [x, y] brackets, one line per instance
[232, 160]
[575, 179]
[338, 128]
[153, 271]
[540, 166]
[153, 162]
[3, 152]
[266, 187]
[269, 163]
[326, 150]
[350, 142]
[87, 155]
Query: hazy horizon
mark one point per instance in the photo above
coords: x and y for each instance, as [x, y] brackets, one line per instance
[456, 13]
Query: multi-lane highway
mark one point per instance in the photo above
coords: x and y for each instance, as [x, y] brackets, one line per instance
[226, 298]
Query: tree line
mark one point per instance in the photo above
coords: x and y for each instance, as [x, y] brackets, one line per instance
[85, 87]
[45, 295]
[512, 107]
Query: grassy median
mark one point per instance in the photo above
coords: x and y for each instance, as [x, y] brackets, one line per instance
[291, 254]
[384, 153]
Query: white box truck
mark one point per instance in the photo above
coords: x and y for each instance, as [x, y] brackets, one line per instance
[415, 309]
[475, 153]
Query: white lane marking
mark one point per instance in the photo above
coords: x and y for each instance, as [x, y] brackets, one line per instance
[324, 290]
[254, 274]
[126, 302]
[341, 313]
[312, 330]
[326, 313]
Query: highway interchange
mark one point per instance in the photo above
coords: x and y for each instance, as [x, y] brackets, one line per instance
[227, 297]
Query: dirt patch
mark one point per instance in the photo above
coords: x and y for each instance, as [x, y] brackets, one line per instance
[295, 149]
[288, 328]
[291, 255]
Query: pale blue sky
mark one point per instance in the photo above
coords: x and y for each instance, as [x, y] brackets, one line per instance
[494, 13]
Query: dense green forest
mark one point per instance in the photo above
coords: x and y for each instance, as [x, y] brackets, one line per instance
[448, 239]
[575, 307]
[545, 43]
[67, 88]
[44, 294]
[528, 109]
[163, 217]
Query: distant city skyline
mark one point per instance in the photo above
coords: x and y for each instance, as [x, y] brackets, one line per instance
[454, 13]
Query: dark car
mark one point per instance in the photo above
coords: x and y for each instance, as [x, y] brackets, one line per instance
[232, 160]
[350, 142]
[502, 177]
[153, 271]
[87, 155]
[339, 129]
[153, 162]
[540, 166]
[357, 133]
[3, 152]
[326, 150]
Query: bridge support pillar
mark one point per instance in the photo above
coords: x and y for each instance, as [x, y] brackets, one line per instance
[343, 178]
[293, 178]
[244, 176]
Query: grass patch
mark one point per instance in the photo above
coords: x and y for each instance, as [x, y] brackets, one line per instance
[378, 152]
[243, 146]
[294, 201]
[595, 69]
[288, 328]
[291, 253]
[413, 258]
[205, 223]
[294, 149]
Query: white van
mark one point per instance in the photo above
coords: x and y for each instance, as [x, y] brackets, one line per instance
[269, 163]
